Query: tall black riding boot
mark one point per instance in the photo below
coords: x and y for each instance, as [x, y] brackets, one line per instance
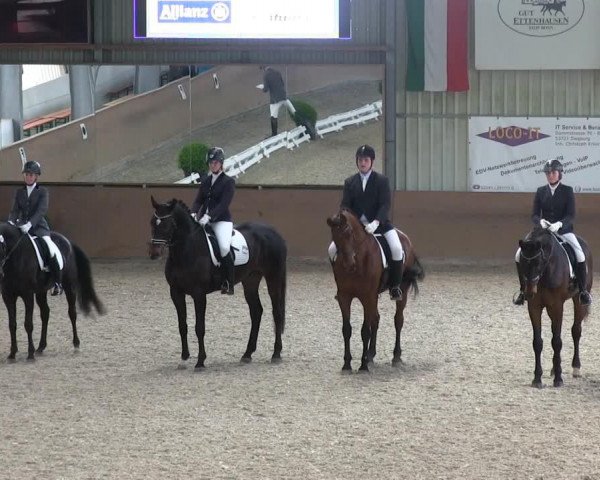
[581, 274]
[519, 298]
[396, 271]
[56, 274]
[273, 126]
[227, 275]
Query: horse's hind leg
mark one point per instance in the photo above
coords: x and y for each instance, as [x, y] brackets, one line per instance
[276, 288]
[71, 301]
[28, 301]
[580, 313]
[256, 310]
[42, 302]
[11, 307]
[556, 313]
[398, 324]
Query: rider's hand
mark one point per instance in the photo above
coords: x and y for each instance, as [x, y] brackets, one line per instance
[204, 220]
[544, 223]
[371, 227]
[194, 217]
[555, 227]
[25, 228]
[10, 222]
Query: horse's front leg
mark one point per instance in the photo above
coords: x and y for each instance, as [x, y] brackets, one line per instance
[580, 312]
[556, 314]
[200, 306]
[178, 298]
[368, 332]
[344, 302]
[535, 314]
[11, 307]
[28, 300]
[398, 324]
[42, 302]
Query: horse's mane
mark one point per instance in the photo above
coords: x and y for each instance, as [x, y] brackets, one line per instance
[181, 204]
[539, 234]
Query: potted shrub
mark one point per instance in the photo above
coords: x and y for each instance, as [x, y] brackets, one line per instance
[192, 159]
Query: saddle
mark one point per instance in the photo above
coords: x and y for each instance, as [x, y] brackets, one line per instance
[239, 247]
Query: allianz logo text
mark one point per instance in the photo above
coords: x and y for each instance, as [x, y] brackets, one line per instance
[170, 11]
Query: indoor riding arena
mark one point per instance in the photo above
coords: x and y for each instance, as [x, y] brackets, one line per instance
[460, 405]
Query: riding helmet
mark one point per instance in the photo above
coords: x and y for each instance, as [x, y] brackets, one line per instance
[215, 153]
[553, 165]
[32, 167]
[365, 151]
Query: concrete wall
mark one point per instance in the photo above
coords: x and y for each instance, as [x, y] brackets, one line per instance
[113, 221]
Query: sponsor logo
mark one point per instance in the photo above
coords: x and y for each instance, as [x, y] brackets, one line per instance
[540, 18]
[513, 136]
[171, 11]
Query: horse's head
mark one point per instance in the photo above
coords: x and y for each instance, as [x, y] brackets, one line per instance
[534, 258]
[9, 238]
[162, 226]
[343, 227]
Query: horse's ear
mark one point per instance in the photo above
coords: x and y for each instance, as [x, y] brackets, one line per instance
[155, 204]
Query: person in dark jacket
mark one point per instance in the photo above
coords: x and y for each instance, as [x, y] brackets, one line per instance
[28, 212]
[554, 210]
[367, 194]
[211, 206]
[274, 85]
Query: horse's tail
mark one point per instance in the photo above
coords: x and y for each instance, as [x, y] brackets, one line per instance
[87, 295]
[415, 273]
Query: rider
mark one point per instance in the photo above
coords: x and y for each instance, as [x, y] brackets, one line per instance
[554, 210]
[28, 211]
[211, 206]
[367, 194]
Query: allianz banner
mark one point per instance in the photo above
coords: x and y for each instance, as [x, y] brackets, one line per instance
[507, 154]
[537, 34]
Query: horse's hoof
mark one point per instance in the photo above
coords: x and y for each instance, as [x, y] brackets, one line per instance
[347, 368]
[363, 369]
[275, 359]
[11, 359]
[246, 360]
[39, 351]
[558, 383]
[31, 358]
[199, 368]
[396, 362]
[536, 384]
[576, 373]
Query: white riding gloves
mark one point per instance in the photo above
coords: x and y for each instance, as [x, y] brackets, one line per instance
[204, 220]
[371, 227]
[25, 227]
[555, 227]
[194, 217]
[544, 223]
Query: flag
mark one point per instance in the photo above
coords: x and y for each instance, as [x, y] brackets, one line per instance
[437, 45]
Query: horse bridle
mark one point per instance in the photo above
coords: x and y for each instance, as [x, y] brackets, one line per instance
[160, 241]
[544, 261]
[7, 256]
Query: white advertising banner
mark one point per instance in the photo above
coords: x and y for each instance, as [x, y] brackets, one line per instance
[537, 34]
[507, 154]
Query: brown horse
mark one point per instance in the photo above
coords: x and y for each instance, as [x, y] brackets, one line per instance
[545, 269]
[359, 273]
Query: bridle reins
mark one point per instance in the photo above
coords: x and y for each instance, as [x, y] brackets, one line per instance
[545, 260]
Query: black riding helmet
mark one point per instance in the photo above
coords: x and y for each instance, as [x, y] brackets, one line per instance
[365, 151]
[32, 167]
[553, 165]
[215, 153]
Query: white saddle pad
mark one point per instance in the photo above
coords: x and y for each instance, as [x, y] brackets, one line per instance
[54, 251]
[238, 245]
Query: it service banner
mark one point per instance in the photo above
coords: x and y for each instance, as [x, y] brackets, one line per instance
[508, 154]
[537, 34]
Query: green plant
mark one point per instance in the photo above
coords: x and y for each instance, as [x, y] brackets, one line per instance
[304, 111]
[192, 159]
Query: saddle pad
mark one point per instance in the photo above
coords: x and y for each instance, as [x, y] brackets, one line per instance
[54, 251]
[570, 256]
[239, 248]
[380, 238]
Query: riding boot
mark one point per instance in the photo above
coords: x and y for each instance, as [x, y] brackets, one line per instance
[396, 270]
[56, 274]
[581, 274]
[519, 298]
[227, 275]
[273, 126]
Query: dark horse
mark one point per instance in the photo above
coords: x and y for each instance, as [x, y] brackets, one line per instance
[190, 271]
[21, 276]
[359, 273]
[545, 269]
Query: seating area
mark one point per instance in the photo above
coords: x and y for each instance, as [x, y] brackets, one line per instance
[51, 120]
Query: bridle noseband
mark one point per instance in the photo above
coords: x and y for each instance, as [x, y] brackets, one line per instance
[160, 241]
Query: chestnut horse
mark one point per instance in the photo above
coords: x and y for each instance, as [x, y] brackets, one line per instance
[359, 273]
[545, 269]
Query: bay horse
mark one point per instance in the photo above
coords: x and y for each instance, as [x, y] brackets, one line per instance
[544, 266]
[21, 276]
[189, 270]
[359, 273]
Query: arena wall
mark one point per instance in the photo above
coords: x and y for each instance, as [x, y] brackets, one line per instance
[113, 221]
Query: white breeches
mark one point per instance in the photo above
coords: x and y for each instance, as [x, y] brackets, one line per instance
[223, 231]
[392, 239]
[571, 239]
[54, 251]
[274, 107]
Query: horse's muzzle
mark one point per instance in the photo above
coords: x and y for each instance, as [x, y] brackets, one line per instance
[155, 250]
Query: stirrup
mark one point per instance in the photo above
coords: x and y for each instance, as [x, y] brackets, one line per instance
[585, 298]
[395, 294]
[519, 298]
[57, 290]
